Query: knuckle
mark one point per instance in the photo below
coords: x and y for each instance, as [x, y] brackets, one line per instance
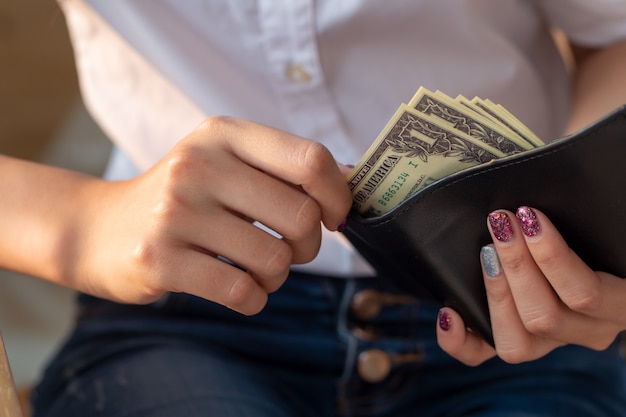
[551, 255]
[498, 294]
[307, 218]
[240, 293]
[184, 170]
[180, 163]
[275, 283]
[586, 300]
[315, 158]
[217, 123]
[513, 356]
[514, 263]
[150, 259]
[278, 259]
[514, 352]
[545, 324]
[167, 210]
[148, 253]
[306, 256]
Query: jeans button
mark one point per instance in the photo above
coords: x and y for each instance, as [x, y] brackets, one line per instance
[374, 365]
[366, 304]
[365, 333]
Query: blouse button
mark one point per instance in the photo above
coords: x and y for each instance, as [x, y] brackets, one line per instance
[298, 74]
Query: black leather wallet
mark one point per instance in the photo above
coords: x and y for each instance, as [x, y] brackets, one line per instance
[429, 245]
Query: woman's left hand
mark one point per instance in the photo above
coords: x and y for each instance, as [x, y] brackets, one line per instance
[541, 295]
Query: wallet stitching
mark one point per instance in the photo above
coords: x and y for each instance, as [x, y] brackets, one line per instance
[564, 146]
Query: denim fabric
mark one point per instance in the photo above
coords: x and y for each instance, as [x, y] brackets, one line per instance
[184, 356]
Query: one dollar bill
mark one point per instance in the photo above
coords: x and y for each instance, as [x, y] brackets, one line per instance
[431, 137]
[411, 152]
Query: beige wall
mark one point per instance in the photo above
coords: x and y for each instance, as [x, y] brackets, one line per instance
[37, 78]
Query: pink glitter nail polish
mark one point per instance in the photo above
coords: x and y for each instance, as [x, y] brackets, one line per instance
[501, 226]
[444, 320]
[528, 221]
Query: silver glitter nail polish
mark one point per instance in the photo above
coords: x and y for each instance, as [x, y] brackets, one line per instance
[491, 263]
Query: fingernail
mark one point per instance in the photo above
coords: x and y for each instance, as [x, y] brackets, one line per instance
[490, 260]
[528, 221]
[349, 166]
[444, 320]
[342, 225]
[501, 226]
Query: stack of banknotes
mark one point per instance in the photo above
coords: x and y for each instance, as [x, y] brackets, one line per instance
[431, 137]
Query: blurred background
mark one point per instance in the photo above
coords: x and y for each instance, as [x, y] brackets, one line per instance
[41, 118]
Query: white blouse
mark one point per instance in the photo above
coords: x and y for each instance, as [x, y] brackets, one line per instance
[330, 70]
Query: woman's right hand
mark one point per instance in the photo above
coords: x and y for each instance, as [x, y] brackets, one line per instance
[163, 230]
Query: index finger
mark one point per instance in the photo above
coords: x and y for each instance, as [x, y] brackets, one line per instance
[293, 159]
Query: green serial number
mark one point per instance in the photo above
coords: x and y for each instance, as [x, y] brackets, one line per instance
[394, 187]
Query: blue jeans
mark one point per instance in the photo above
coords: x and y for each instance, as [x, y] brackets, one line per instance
[309, 353]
